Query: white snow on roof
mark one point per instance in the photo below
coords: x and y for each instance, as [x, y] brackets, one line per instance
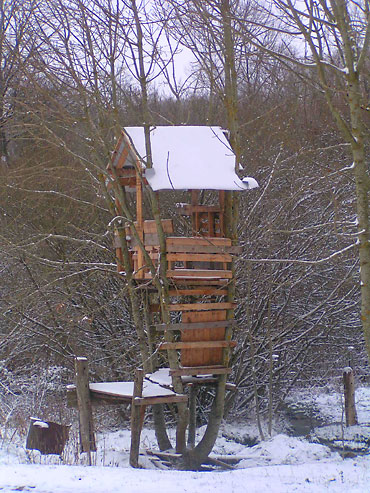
[188, 157]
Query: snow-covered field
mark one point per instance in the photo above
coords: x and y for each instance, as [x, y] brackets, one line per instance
[280, 464]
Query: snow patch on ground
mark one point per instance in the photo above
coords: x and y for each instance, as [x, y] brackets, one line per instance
[282, 449]
[280, 464]
[329, 404]
[345, 476]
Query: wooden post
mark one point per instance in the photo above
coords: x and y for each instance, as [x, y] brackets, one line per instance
[87, 438]
[222, 212]
[137, 419]
[349, 397]
[195, 215]
[192, 415]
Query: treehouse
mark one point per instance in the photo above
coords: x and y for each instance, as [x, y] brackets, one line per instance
[190, 248]
[196, 159]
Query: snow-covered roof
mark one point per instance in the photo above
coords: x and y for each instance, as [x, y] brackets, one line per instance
[189, 157]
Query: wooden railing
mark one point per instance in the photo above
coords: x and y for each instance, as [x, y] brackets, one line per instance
[189, 258]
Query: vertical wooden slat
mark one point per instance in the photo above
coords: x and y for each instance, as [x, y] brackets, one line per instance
[222, 212]
[202, 357]
[195, 215]
[211, 219]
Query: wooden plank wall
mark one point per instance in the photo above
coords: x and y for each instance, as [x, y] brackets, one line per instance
[202, 356]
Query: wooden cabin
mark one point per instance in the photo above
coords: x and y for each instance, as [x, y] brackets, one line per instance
[195, 159]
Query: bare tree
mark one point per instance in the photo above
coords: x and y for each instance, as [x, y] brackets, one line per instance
[335, 44]
[16, 47]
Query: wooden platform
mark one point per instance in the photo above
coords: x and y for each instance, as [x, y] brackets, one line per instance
[157, 387]
[122, 392]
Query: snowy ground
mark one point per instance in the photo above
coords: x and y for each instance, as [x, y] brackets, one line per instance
[280, 464]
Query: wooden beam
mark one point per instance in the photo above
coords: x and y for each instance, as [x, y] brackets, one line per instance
[199, 257]
[127, 181]
[121, 158]
[194, 281]
[199, 282]
[196, 345]
[188, 209]
[200, 370]
[198, 291]
[194, 197]
[198, 240]
[197, 325]
[166, 399]
[126, 173]
[217, 274]
[182, 307]
[211, 223]
[204, 249]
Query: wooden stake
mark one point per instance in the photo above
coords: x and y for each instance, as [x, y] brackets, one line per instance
[137, 419]
[349, 397]
[87, 438]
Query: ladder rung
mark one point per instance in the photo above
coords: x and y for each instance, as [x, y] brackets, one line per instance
[200, 370]
[196, 345]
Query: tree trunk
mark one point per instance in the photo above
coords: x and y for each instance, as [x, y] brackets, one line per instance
[194, 458]
[362, 190]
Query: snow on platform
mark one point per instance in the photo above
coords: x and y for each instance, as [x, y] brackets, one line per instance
[158, 386]
[126, 389]
[162, 377]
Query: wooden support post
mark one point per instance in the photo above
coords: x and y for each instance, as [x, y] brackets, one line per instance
[222, 212]
[349, 397]
[137, 419]
[87, 438]
[192, 415]
[195, 215]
